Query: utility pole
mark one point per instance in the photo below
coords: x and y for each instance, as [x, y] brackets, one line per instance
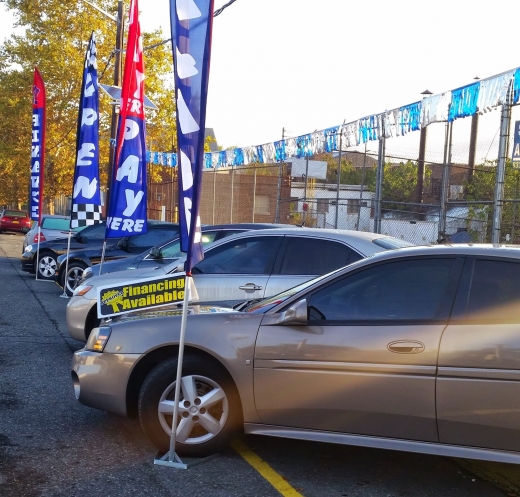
[117, 82]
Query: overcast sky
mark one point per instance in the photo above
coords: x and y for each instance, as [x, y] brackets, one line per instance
[304, 65]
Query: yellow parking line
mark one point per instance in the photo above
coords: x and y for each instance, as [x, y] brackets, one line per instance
[276, 480]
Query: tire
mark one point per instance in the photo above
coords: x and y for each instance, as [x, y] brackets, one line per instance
[71, 279]
[204, 427]
[47, 266]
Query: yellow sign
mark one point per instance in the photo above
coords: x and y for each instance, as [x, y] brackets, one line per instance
[136, 296]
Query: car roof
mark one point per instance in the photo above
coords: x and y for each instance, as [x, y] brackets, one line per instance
[324, 233]
[457, 249]
[244, 226]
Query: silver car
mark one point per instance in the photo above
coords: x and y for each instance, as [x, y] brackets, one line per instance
[247, 266]
[53, 227]
[415, 349]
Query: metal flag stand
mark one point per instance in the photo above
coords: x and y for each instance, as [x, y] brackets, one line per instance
[64, 294]
[102, 256]
[171, 458]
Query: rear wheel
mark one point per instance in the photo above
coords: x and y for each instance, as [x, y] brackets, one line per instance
[209, 408]
[73, 277]
[47, 266]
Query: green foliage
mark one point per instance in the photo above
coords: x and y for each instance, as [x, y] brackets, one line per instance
[55, 41]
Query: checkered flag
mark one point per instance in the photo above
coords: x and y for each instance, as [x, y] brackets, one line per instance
[85, 215]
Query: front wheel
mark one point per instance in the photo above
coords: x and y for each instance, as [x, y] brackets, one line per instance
[209, 408]
[47, 266]
[73, 277]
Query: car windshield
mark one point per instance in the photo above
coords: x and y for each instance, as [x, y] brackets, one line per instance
[390, 243]
[57, 223]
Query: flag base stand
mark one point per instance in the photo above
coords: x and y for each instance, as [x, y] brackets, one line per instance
[64, 296]
[177, 463]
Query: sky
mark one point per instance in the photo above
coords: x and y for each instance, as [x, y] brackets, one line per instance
[302, 65]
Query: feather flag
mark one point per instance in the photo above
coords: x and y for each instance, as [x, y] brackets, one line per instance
[191, 25]
[86, 196]
[37, 147]
[127, 203]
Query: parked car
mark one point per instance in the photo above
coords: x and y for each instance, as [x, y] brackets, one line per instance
[416, 349]
[245, 266]
[53, 227]
[15, 221]
[158, 233]
[171, 251]
[91, 236]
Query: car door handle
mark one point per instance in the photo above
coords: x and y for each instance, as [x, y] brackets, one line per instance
[406, 347]
[250, 287]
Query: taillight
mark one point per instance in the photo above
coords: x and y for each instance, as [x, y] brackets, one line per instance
[42, 238]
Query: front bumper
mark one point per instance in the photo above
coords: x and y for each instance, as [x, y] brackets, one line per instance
[100, 380]
[76, 313]
[27, 261]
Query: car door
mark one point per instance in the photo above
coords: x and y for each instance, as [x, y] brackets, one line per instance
[302, 259]
[478, 385]
[366, 361]
[237, 270]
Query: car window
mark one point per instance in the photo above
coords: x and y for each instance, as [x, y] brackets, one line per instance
[494, 294]
[173, 249]
[15, 213]
[396, 291]
[94, 232]
[253, 255]
[152, 238]
[54, 223]
[314, 256]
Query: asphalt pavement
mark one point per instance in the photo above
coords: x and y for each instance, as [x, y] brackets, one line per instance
[50, 445]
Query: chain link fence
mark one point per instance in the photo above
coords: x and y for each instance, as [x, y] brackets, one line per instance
[435, 185]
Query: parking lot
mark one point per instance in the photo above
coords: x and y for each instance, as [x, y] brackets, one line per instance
[50, 445]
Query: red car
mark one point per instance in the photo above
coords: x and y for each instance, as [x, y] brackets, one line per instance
[11, 220]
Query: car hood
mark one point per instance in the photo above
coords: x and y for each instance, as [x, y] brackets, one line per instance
[172, 310]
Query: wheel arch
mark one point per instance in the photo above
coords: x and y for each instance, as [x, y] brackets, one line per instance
[155, 357]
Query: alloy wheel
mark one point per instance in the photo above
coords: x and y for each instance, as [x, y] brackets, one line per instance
[47, 266]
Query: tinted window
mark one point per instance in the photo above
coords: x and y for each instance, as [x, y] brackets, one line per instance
[15, 213]
[248, 256]
[494, 293]
[404, 290]
[152, 238]
[96, 231]
[314, 257]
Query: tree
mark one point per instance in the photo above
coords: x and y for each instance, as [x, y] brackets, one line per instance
[55, 41]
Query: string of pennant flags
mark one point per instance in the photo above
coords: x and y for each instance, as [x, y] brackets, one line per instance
[479, 97]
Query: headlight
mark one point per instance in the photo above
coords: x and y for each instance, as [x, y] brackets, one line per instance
[28, 248]
[98, 338]
[81, 290]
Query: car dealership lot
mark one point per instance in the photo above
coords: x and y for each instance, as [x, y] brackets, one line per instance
[50, 445]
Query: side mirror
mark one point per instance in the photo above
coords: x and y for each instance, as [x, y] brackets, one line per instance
[155, 253]
[123, 243]
[296, 314]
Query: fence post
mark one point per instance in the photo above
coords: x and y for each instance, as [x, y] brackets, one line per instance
[339, 181]
[441, 237]
[379, 185]
[214, 191]
[361, 189]
[503, 152]
[232, 191]
[278, 194]
[254, 198]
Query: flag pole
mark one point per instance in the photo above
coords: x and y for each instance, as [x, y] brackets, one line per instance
[102, 256]
[64, 294]
[38, 253]
[171, 458]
